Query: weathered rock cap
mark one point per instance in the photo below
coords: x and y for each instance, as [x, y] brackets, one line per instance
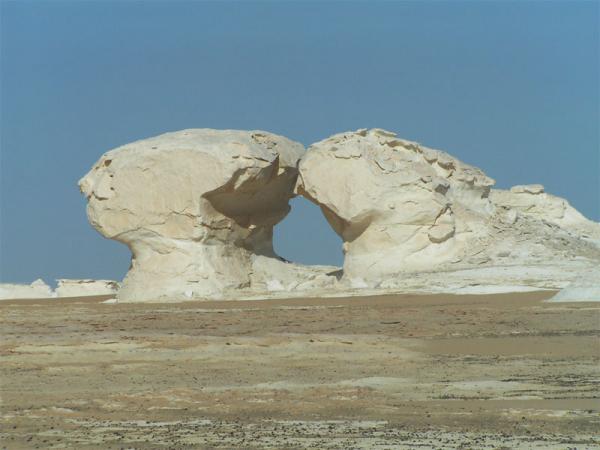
[164, 184]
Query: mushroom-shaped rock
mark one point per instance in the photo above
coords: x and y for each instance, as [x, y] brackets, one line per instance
[196, 208]
[398, 206]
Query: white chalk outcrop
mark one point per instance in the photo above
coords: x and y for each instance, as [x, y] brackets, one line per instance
[65, 288]
[532, 201]
[402, 208]
[37, 289]
[397, 206]
[197, 209]
[86, 287]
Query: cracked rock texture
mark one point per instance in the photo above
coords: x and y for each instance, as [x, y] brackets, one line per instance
[403, 208]
[197, 209]
[398, 206]
[532, 201]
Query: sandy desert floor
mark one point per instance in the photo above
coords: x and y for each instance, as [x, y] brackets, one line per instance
[440, 371]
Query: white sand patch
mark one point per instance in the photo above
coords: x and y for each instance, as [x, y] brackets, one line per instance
[585, 289]
[577, 294]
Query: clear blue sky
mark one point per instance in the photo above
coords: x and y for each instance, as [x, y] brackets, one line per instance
[511, 87]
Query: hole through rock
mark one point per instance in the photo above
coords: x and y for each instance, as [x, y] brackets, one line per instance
[305, 237]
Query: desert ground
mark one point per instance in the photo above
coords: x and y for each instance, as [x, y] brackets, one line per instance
[387, 372]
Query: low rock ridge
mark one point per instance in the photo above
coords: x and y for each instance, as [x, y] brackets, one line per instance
[65, 288]
[81, 288]
[37, 289]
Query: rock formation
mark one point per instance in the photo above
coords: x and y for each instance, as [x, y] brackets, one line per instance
[65, 288]
[403, 208]
[82, 288]
[197, 210]
[37, 289]
[397, 206]
[532, 201]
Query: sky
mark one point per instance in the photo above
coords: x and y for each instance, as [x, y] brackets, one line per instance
[510, 87]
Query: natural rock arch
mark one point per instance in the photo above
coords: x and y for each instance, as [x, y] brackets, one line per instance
[197, 209]
[305, 236]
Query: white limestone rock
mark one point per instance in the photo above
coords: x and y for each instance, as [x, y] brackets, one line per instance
[402, 208]
[398, 206]
[86, 287]
[196, 207]
[533, 189]
[534, 202]
[37, 289]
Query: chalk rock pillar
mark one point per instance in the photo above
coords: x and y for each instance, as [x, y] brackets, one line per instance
[194, 207]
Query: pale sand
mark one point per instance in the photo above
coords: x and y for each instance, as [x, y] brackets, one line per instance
[403, 371]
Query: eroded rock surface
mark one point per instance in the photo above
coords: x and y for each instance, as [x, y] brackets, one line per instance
[402, 208]
[397, 205]
[533, 201]
[85, 287]
[197, 209]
